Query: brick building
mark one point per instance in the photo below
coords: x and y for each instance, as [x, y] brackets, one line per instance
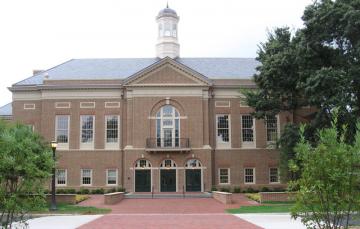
[166, 124]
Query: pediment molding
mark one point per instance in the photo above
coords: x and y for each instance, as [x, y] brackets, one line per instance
[189, 76]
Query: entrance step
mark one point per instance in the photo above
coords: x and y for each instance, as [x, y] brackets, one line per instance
[177, 195]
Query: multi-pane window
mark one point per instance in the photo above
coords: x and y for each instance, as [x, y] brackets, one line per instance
[60, 177]
[274, 175]
[111, 177]
[249, 175]
[222, 128]
[86, 177]
[271, 128]
[167, 127]
[112, 129]
[62, 128]
[247, 125]
[87, 128]
[224, 175]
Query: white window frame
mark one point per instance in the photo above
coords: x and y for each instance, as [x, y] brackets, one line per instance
[254, 175]
[62, 145]
[29, 106]
[112, 145]
[278, 175]
[82, 176]
[62, 105]
[56, 178]
[270, 143]
[228, 176]
[222, 103]
[248, 144]
[86, 105]
[107, 177]
[89, 145]
[222, 144]
[112, 104]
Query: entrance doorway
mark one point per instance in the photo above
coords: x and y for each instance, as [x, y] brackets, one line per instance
[193, 180]
[193, 175]
[168, 176]
[143, 181]
[168, 180]
[142, 176]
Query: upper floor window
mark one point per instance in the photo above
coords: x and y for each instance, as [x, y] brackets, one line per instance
[271, 128]
[87, 130]
[167, 127]
[222, 130]
[247, 131]
[62, 129]
[112, 131]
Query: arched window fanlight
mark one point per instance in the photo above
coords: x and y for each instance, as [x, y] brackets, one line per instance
[168, 163]
[167, 127]
[142, 164]
[193, 163]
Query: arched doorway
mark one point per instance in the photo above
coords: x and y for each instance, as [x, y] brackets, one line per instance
[168, 176]
[193, 175]
[142, 176]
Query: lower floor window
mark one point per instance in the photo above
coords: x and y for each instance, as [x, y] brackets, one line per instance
[86, 176]
[224, 176]
[61, 177]
[274, 175]
[111, 176]
[249, 175]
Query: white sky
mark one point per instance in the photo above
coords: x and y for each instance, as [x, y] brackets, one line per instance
[40, 34]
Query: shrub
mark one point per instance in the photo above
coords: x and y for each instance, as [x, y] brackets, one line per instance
[250, 190]
[253, 196]
[80, 198]
[214, 189]
[120, 189]
[111, 190]
[70, 191]
[265, 189]
[60, 191]
[46, 191]
[84, 191]
[237, 190]
[225, 189]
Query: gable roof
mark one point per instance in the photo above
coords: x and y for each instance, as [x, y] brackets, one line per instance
[6, 110]
[122, 68]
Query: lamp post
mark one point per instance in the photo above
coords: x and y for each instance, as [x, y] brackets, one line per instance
[53, 198]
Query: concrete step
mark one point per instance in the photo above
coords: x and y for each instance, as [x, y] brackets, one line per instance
[167, 195]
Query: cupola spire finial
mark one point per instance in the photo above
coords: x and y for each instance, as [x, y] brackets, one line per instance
[167, 4]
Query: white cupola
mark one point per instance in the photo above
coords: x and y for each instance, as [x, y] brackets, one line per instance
[167, 43]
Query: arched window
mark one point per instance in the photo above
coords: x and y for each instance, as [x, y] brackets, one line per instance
[142, 164]
[193, 163]
[167, 127]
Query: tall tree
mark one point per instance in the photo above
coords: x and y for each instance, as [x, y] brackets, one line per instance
[317, 66]
[25, 166]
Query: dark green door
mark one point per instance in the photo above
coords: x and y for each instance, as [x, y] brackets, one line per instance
[168, 180]
[193, 180]
[142, 180]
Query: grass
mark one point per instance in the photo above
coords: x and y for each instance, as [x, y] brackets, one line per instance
[74, 209]
[276, 208]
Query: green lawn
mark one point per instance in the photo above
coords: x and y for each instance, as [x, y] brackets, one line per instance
[275, 208]
[74, 209]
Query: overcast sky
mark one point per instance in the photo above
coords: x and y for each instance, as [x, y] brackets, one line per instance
[40, 34]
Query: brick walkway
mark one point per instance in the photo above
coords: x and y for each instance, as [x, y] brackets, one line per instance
[169, 213]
